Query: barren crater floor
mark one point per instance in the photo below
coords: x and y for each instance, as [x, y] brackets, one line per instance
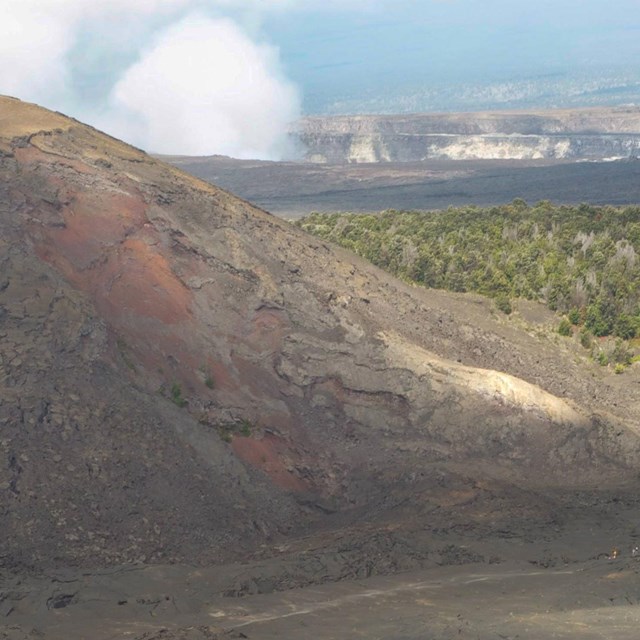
[296, 189]
[481, 602]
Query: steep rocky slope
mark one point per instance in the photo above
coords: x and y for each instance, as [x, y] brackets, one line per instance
[184, 378]
[575, 134]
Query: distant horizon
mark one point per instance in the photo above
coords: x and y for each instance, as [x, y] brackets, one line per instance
[563, 92]
[533, 109]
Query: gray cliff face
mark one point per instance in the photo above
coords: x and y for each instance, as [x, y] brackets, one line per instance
[590, 134]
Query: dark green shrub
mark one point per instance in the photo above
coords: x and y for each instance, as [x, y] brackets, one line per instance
[176, 395]
[621, 353]
[586, 339]
[574, 316]
[504, 304]
[625, 327]
[564, 329]
[245, 428]
[601, 317]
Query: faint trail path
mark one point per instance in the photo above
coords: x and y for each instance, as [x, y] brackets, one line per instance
[309, 601]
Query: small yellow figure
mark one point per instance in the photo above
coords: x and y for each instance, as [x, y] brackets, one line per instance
[614, 553]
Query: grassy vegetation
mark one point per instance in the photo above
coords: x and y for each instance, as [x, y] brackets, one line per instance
[581, 261]
[230, 429]
[176, 395]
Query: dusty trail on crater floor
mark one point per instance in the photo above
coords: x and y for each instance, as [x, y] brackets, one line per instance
[599, 599]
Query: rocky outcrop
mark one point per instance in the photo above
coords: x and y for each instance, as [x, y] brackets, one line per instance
[185, 377]
[592, 134]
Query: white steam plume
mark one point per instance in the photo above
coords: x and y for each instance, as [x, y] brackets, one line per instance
[204, 87]
[37, 36]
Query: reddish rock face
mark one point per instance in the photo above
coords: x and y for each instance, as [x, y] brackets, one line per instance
[275, 457]
[186, 377]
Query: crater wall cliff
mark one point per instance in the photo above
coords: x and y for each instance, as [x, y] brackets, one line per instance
[589, 134]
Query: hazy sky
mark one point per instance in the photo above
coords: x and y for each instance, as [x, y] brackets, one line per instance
[227, 76]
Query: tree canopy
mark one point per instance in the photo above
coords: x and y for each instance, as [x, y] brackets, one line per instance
[579, 260]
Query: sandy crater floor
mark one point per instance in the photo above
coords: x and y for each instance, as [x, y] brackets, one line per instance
[597, 599]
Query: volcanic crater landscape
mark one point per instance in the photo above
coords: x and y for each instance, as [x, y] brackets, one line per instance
[215, 425]
[432, 161]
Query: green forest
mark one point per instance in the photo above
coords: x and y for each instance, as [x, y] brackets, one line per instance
[581, 261]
